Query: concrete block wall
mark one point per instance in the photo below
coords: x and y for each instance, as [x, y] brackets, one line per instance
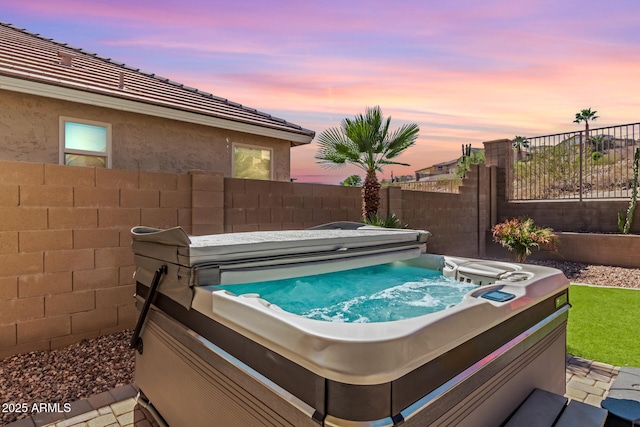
[207, 204]
[572, 215]
[66, 267]
[251, 205]
[453, 219]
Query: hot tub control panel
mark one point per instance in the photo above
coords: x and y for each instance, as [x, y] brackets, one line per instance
[495, 295]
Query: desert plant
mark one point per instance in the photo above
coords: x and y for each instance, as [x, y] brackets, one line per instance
[466, 150]
[624, 221]
[352, 181]
[473, 158]
[596, 156]
[621, 221]
[521, 235]
[390, 221]
[366, 142]
[599, 143]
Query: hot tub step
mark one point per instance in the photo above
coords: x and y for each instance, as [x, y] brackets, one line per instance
[578, 414]
[545, 409]
[541, 409]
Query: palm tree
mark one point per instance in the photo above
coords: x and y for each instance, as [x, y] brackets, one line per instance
[367, 142]
[520, 142]
[585, 116]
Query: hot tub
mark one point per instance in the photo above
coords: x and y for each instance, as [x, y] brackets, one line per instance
[209, 356]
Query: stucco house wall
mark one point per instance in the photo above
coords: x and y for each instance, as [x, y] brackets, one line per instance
[29, 130]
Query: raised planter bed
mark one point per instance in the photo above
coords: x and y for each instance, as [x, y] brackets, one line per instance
[618, 250]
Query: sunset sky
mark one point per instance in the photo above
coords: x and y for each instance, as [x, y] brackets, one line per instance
[465, 71]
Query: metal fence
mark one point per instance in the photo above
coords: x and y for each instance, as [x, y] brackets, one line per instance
[576, 165]
[439, 186]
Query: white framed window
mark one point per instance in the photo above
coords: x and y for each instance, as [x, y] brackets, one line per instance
[252, 162]
[85, 143]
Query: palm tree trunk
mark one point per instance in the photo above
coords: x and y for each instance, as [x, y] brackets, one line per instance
[370, 195]
[586, 133]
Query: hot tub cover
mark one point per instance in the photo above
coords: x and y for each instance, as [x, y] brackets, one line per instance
[263, 255]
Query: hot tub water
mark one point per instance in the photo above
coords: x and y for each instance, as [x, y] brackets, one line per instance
[373, 294]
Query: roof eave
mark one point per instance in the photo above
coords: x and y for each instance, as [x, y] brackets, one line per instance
[15, 84]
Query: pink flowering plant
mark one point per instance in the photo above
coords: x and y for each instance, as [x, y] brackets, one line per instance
[521, 235]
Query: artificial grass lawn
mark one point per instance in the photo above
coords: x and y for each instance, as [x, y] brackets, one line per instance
[604, 324]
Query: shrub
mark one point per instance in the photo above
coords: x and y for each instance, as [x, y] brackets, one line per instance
[595, 156]
[520, 236]
[390, 221]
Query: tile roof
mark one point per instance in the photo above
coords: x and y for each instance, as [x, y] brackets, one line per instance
[29, 56]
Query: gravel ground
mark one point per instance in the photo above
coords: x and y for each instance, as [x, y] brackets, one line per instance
[600, 275]
[93, 366]
[65, 375]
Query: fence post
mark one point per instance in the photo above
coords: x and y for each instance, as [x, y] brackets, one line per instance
[580, 160]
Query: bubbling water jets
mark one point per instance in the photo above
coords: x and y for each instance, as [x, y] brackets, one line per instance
[373, 294]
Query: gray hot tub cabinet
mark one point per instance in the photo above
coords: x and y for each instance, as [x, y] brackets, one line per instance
[213, 358]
